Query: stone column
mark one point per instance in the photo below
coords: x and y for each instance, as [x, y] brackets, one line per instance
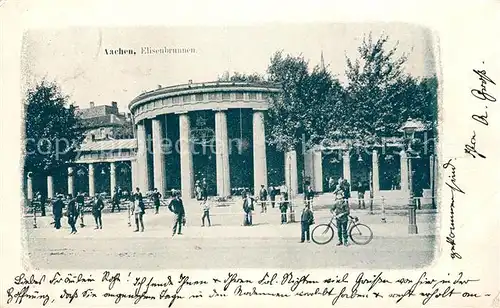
[346, 159]
[318, 171]
[29, 185]
[71, 176]
[309, 165]
[135, 174]
[158, 157]
[375, 173]
[291, 179]
[222, 154]
[404, 171]
[187, 176]
[91, 180]
[112, 178]
[50, 187]
[142, 158]
[259, 151]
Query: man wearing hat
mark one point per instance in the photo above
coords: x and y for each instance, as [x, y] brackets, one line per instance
[57, 208]
[177, 207]
[97, 207]
[72, 213]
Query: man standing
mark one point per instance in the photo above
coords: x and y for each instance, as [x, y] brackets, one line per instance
[341, 211]
[156, 196]
[115, 201]
[309, 195]
[248, 207]
[72, 214]
[263, 199]
[139, 210]
[272, 195]
[80, 200]
[283, 209]
[205, 206]
[306, 220]
[360, 187]
[97, 207]
[57, 208]
[346, 187]
[177, 207]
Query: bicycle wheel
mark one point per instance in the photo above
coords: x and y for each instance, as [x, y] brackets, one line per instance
[322, 234]
[361, 234]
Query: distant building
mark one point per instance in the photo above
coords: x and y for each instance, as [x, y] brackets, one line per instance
[105, 122]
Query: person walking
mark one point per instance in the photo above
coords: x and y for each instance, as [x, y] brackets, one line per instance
[248, 207]
[97, 207]
[80, 201]
[176, 206]
[361, 188]
[283, 209]
[306, 220]
[72, 214]
[115, 201]
[139, 210]
[205, 206]
[341, 210]
[263, 199]
[156, 196]
[57, 211]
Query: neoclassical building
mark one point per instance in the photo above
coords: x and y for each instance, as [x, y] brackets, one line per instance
[215, 132]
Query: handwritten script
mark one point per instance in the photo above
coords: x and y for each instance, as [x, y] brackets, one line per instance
[117, 287]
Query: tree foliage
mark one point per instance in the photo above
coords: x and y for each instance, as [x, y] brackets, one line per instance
[381, 96]
[240, 77]
[52, 129]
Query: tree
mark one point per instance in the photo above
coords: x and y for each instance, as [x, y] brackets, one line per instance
[241, 77]
[52, 130]
[381, 96]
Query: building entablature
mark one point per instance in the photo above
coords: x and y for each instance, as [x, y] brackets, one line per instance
[201, 96]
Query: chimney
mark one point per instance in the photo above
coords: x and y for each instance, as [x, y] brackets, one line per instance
[92, 105]
[114, 105]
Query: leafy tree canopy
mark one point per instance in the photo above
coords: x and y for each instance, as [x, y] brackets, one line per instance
[52, 129]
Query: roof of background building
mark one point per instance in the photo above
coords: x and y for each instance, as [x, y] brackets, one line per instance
[102, 121]
[107, 145]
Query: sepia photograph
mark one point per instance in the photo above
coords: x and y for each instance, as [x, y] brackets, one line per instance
[307, 146]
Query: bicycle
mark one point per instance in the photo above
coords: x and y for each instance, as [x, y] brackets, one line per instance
[359, 233]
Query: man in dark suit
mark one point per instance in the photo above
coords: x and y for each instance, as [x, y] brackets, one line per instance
[177, 207]
[80, 201]
[57, 208]
[97, 207]
[263, 198]
[156, 196]
[72, 214]
[306, 220]
[115, 201]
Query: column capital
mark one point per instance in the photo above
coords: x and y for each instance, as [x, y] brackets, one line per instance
[259, 109]
[182, 112]
[219, 109]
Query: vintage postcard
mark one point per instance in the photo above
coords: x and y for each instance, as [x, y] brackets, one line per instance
[203, 159]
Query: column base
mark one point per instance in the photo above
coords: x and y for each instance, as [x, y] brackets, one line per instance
[412, 229]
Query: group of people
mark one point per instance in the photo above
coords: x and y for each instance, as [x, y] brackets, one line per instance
[75, 208]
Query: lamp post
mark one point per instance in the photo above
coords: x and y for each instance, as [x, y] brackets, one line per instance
[409, 128]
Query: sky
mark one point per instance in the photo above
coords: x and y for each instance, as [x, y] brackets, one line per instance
[76, 57]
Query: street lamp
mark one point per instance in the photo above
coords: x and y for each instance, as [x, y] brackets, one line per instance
[409, 128]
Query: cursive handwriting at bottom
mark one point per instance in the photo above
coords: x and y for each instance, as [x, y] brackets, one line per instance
[450, 239]
[471, 147]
